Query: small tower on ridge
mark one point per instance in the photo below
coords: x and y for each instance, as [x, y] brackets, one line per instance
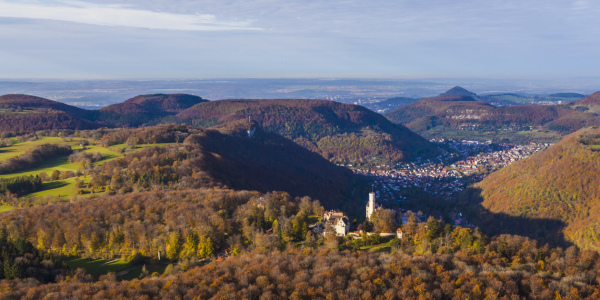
[370, 205]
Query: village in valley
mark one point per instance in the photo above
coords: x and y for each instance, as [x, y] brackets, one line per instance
[447, 175]
[461, 164]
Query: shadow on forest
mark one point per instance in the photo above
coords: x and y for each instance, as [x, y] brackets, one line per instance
[543, 230]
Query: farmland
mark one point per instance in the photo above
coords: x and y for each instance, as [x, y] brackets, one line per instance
[63, 187]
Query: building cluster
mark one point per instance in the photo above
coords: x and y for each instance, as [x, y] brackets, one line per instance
[446, 176]
[469, 161]
[336, 221]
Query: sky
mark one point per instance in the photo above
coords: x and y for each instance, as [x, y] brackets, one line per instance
[113, 39]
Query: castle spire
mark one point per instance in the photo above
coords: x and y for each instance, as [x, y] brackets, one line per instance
[371, 205]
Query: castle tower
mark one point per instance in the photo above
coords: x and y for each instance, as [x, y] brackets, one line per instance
[371, 205]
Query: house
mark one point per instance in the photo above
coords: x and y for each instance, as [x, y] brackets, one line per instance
[399, 233]
[332, 214]
[336, 221]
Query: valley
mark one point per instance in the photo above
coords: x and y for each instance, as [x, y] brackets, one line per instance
[163, 186]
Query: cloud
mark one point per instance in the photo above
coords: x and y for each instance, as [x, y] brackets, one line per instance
[117, 15]
[340, 37]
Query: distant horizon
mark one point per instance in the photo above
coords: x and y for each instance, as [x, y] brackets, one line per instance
[307, 77]
[99, 93]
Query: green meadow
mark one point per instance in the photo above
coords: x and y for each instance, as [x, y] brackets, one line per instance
[63, 187]
[23, 111]
[59, 188]
[122, 269]
[5, 208]
[19, 148]
[137, 147]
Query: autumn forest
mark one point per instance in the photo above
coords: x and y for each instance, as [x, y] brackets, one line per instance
[171, 196]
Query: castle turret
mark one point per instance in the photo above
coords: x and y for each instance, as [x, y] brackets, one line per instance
[371, 205]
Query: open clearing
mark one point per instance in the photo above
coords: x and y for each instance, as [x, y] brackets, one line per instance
[102, 266]
[5, 208]
[63, 187]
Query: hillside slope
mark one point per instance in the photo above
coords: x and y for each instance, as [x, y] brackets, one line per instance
[589, 102]
[441, 106]
[460, 91]
[144, 109]
[561, 183]
[24, 113]
[262, 161]
[338, 131]
[443, 114]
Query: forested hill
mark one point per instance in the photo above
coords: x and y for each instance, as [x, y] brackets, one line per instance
[561, 183]
[24, 113]
[436, 106]
[146, 109]
[591, 100]
[343, 133]
[454, 111]
[27, 102]
[457, 90]
[262, 161]
[348, 133]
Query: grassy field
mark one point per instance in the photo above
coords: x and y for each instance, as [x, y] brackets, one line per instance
[516, 137]
[65, 187]
[138, 147]
[124, 270]
[57, 163]
[24, 111]
[62, 163]
[383, 247]
[19, 148]
[5, 208]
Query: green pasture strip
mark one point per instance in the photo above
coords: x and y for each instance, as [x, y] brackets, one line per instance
[97, 267]
[60, 163]
[63, 188]
[19, 148]
[24, 111]
[101, 266]
[138, 147]
[5, 208]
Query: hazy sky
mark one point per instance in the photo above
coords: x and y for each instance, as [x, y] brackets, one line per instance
[299, 38]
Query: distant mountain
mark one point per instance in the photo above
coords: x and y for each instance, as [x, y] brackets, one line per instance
[509, 99]
[239, 155]
[146, 109]
[561, 183]
[457, 90]
[342, 132]
[156, 104]
[589, 101]
[24, 113]
[457, 111]
[390, 104]
[438, 106]
[566, 95]
[266, 161]
[27, 102]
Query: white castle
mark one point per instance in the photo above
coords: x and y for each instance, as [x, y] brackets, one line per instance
[371, 206]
